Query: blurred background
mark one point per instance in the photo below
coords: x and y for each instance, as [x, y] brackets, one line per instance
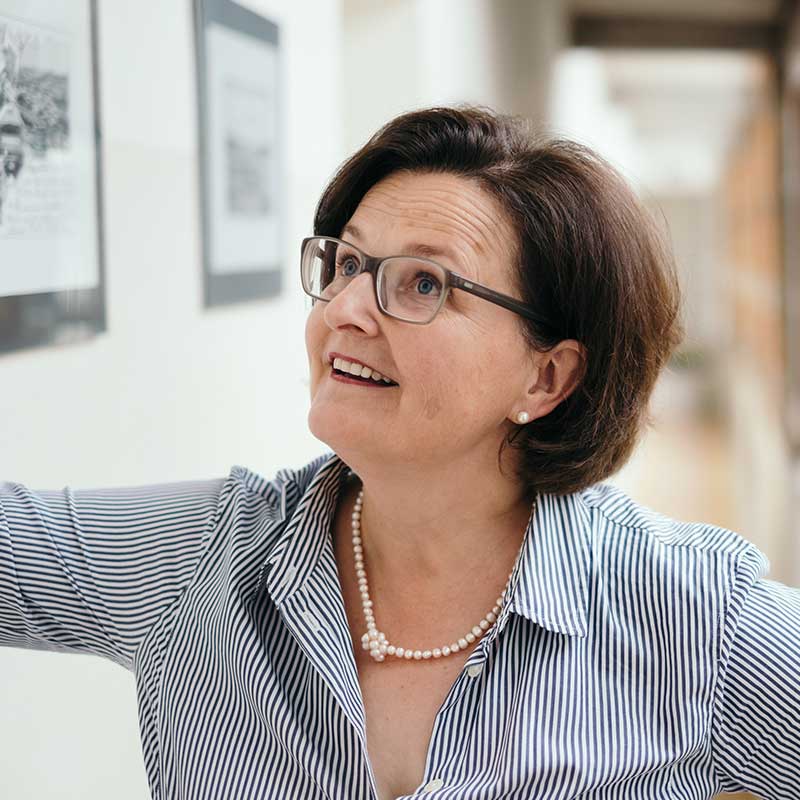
[696, 102]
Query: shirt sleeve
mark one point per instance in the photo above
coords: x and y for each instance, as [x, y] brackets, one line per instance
[91, 571]
[757, 699]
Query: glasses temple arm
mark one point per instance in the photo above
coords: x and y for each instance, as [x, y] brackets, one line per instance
[500, 299]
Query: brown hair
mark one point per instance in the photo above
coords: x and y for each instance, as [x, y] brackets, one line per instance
[590, 258]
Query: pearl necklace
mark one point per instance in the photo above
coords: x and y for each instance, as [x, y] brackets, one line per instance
[376, 642]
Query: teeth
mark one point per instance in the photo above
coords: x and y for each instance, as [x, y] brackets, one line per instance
[358, 369]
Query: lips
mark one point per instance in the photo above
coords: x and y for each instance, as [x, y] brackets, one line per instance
[344, 377]
[333, 355]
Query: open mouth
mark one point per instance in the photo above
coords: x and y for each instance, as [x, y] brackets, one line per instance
[347, 377]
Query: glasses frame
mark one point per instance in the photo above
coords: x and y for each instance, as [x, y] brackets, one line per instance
[453, 280]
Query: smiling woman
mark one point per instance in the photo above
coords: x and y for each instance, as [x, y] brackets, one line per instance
[452, 601]
[568, 239]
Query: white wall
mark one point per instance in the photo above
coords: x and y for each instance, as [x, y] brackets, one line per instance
[404, 54]
[171, 391]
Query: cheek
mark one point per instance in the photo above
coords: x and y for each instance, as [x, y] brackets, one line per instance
[314, 336]
[446, 385]
[315, 324]
[434, 399]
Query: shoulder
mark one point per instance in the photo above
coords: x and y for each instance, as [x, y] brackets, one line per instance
[251, 525]
[696, 558]
[614, 513]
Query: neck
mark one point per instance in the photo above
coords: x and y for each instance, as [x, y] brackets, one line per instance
[429, 534]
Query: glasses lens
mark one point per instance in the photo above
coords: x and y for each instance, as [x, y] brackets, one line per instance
[411, 288]
[328, 267]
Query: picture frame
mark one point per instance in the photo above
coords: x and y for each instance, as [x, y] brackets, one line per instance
[240, 151]
[52, 275]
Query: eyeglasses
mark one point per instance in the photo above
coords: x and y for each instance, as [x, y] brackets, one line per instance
[407, 288]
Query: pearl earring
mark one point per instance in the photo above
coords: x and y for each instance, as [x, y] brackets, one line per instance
[522, 417]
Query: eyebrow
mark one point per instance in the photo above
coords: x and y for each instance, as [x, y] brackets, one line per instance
[412, 249]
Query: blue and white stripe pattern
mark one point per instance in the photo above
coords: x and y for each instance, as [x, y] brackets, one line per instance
[637, 656]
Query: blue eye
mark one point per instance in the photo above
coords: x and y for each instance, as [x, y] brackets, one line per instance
[348, 261]
[429, 281]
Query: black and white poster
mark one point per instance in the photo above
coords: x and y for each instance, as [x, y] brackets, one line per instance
[240, 151]
[50, 232]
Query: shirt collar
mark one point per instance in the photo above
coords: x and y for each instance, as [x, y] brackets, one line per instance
[298, 549]
[549, 582]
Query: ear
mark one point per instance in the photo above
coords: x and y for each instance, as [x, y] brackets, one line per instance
[557, 373]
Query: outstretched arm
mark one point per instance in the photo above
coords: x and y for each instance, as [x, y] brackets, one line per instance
[91, 571]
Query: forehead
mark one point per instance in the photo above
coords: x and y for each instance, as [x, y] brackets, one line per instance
[440, 211]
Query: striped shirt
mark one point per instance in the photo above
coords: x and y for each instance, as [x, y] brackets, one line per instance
[636, 656]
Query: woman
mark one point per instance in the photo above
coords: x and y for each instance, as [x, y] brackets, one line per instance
[451, 602]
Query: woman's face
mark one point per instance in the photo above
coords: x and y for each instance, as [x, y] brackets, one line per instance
[461, 377]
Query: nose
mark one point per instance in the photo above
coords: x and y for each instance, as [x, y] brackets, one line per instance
[354, 306]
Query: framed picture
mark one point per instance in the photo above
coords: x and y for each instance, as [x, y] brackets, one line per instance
[51, 234]
[241, 164]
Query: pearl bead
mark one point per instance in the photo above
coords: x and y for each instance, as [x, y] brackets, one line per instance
[376, 641]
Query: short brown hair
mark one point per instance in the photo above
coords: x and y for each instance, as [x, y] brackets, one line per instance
[590, 258]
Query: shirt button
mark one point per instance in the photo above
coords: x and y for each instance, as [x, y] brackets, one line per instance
[433, 785]
[288, 575]
[312, 621]
[475, 670]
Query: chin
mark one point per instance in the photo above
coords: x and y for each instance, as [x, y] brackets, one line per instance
[333, 427]
[344, 434]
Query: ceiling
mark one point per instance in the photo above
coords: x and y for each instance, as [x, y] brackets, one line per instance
[712, 10]
[679, 78]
